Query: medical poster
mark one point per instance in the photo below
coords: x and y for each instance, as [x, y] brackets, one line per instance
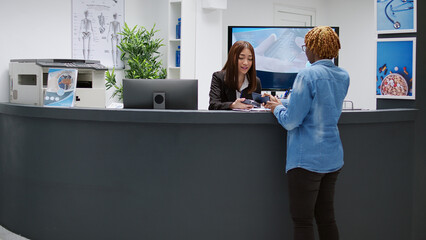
[95, 28]
[396, 16]
[395, 70]
[61, 84]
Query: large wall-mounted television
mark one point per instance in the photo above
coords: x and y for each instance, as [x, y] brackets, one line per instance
[278, 49]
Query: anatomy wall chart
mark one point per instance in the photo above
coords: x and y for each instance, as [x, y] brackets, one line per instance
[95, 28]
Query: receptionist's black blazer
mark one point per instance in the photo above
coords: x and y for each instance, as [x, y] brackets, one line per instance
[221, 96]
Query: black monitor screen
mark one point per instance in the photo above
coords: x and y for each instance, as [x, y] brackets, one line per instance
[279, 54]
[160, 93]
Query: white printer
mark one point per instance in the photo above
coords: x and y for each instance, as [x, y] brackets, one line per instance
[28, 80]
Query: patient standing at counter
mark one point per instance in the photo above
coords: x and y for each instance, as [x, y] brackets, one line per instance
[314, 148]
[236, 81]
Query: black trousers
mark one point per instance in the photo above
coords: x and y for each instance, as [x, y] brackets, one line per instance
[312, 196]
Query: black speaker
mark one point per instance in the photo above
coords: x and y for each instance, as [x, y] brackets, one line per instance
[159, 100]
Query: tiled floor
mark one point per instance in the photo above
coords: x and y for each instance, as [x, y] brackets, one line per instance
[7, 235]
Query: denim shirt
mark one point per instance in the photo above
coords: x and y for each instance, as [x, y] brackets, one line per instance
[311, 116]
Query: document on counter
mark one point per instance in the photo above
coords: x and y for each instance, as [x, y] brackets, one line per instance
[259, 109]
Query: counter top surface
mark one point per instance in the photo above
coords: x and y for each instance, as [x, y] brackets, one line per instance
[192, 116]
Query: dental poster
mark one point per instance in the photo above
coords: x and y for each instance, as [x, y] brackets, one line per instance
[396, 16]
[95, 31]
[395, 69]
[61, 84]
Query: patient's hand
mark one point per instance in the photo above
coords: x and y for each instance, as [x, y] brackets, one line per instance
[273, 102]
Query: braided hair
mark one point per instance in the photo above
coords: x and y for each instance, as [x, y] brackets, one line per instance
[323, 41]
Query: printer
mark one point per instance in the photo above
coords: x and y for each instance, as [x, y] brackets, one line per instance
[28, 81]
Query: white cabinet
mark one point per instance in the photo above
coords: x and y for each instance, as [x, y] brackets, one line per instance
[173, 43]
[201, 42]
[186, 10]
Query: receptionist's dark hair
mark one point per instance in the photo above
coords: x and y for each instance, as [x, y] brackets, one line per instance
[231, 66]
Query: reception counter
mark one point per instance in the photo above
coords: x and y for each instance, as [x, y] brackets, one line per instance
[202, 175]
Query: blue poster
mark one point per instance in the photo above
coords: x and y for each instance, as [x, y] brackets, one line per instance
[395, 16]
[395, 68]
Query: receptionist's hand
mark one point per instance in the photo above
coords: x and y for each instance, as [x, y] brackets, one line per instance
[238, 104]
[273, 102]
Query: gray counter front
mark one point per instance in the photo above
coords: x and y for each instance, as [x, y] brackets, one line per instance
[202, 175]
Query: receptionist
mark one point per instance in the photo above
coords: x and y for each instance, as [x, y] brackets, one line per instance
[236, 81]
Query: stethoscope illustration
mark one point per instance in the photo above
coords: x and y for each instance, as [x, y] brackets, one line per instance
[405, 6]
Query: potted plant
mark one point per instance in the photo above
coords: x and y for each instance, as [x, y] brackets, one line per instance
[139, 52]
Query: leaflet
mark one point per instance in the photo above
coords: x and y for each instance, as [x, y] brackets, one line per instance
[61, 84]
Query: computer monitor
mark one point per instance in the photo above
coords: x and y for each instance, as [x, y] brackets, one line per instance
[160, 93]
[279, 56]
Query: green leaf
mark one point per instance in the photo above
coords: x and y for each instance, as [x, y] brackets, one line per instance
[140, 54]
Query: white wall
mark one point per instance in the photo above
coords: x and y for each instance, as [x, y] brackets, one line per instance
[42, 29]
[358, 53]
[208, 50]
[30, 29]
[357, 35]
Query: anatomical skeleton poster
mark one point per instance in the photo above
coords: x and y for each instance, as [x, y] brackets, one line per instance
[95, 28]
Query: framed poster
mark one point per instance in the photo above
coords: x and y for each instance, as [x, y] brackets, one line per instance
[396, 16]
[395, 69]
[95, 28]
